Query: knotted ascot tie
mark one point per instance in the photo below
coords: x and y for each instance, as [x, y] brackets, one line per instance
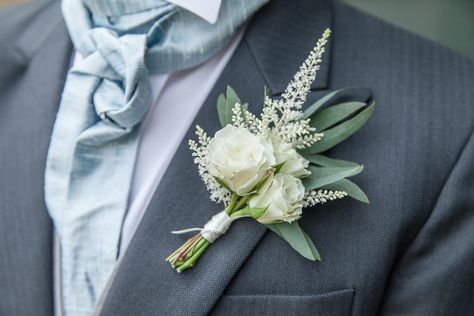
[94, 142]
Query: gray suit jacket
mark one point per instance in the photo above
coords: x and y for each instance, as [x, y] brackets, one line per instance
[410, 252]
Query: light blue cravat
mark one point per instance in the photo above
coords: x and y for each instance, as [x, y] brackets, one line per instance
[94, 142]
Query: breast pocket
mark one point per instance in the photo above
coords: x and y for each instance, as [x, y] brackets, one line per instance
[334, 303]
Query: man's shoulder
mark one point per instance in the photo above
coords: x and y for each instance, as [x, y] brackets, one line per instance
[14, 20]
[424, 116]
[24, 27]
[24, 30]
[422, 82]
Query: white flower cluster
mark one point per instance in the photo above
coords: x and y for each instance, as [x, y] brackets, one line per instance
[314, 197]
[257, 156]
[284, 117]
[218, 192]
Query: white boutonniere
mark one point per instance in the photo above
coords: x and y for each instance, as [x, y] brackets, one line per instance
[269, 167]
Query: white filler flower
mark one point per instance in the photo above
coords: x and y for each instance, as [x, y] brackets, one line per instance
[239, 158]
[282, 196]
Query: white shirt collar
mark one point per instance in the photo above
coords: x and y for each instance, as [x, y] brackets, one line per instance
[206, 9]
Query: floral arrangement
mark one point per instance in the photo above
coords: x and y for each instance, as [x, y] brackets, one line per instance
[269, 167]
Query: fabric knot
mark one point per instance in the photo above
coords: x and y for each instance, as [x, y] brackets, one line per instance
[123, 90]
[217, 226]
[214, 228]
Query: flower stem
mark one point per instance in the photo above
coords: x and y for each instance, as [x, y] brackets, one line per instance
[232, 202]
[203, 244]
[179, 249]
[243, 201]
[188, 254]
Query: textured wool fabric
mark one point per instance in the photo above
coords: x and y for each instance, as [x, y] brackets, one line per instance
[335, 303]
[407, 253]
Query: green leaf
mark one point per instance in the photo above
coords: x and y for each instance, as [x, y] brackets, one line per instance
[350, 187]
[224, 113]
[340, 132]
[279, 166]
[324, 100]
[314, 251]
[253, 212]
[275, 229]
[321, 176]
[334, 114]
[324, 161]
[297, 239]
[225, 105]
[232, 97]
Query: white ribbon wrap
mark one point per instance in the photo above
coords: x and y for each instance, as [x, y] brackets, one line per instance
[216, 227]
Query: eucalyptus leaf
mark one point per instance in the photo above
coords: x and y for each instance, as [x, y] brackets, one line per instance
[312, 246]
[324, 161]
[231, 97]
[320, 102]
[274, 228]
[224, 113]
[225, 104]
[321, 176]
[352, 189]
[297, 239]
[337, 96]
[334, 114]
[341, 132]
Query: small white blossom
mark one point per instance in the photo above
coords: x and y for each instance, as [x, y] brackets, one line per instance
[238, 118]
[296, 92]
[284, 117]
[314, 197]
[218, 192]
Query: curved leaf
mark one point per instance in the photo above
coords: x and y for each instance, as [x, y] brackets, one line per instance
[324, 161]
[297, 239]
[340, 132]
[321, 176]
[231, 97]
[224, 113]
[341, 95]
[225, 105]
[334, 114]
[352, 189]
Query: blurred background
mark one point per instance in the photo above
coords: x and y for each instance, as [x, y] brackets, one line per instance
[448, 22]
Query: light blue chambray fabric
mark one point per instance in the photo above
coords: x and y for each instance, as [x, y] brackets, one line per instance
[94, 142]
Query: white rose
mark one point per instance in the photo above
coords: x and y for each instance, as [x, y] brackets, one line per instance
[294, 163]
[239, 158]
[282, 195]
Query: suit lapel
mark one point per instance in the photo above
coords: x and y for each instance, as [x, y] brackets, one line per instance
[33, 65]
[143, 282]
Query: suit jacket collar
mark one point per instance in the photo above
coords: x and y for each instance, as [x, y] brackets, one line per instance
[143, 281]
[281, 36]
[19, 44]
